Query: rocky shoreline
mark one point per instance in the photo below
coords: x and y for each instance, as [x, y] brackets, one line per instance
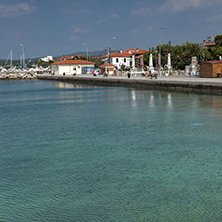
[17, 76]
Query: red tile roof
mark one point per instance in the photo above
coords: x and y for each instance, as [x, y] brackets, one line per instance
[79, 56]
[213, 62]
[130, 50]
[65, 57]
[209, 43]
[70, 57]
[106, 64]
[140, 51]
[120, 54]
[127, 53]
[73, 62]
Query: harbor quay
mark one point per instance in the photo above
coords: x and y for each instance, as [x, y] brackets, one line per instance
[172, 83]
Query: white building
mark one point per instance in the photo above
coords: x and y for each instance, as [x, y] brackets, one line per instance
[72, 67]
[126, 58]
[47, 58]
[120, 58]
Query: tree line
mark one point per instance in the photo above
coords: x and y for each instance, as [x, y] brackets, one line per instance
[181, 54]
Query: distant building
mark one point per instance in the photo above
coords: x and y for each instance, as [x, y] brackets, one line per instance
[211, 69]
[209, 43]
[125, 57]
[72, 67]
[81, 56]
[70, 57]
[120, 58]
[107, 68]
[130, 51]
[139, 52]
[47, 58]
[65, 58]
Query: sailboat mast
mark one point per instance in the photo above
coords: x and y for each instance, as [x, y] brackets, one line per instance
[11, 60]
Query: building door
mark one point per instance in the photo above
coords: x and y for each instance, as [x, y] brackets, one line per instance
[84, 70]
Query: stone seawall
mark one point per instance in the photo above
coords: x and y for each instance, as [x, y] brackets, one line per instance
[180, 83]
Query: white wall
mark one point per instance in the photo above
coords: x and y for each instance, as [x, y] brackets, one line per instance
[47, 58]
[69, 69]
[120, 61]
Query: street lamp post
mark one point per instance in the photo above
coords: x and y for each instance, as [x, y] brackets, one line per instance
[160, 45]
[86, 50]
[108, 52]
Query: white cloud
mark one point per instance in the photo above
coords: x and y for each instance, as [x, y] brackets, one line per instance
[135, 31]
[74, 38]
[77, 30]
[114, 16]
[141, 12]
[100, 21]
[149, 29]
[182, 5]
[16, 10]
[214, 18]
[76, 33]
[141, 31]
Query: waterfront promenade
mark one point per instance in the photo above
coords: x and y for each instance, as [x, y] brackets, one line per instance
[175, 83]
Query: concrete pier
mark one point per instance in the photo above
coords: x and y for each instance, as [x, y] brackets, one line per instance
[175, 83]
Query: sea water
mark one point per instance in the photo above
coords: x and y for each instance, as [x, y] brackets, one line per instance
[73, 152]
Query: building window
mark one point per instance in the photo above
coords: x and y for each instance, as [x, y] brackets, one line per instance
[117, 60]
[125, 60]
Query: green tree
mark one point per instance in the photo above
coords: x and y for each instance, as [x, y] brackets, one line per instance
[98, 61]
[206, 55]
[75, 57]
[216, 52]
[218, 40]
[123, 68]
[182, 54]
[44, 64]
[146, 57]
[165, 49]
[179, 57]
[84, 58]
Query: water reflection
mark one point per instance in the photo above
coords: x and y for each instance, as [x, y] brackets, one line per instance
[134, 98]
[169, 101]
[154, 98]
[69, 85]
[151, 100]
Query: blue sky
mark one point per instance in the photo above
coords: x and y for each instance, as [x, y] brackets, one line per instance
[57, 27]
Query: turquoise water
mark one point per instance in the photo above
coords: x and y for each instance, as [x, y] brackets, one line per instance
[71, 152]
